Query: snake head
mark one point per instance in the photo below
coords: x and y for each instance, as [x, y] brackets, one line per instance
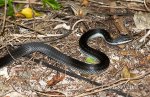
[122, 39]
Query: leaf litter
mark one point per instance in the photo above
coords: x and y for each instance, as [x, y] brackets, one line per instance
[26, 78]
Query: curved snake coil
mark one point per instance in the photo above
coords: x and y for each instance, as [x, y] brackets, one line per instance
[28, 48]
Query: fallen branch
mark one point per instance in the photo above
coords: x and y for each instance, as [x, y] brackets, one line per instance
[116, 83]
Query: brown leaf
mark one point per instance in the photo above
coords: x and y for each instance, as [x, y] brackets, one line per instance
[118, 21]
[19, 15]
[56, 79]
[85, 2]
[78, 10]
[148, 57]
[129, 53]
[145, 60]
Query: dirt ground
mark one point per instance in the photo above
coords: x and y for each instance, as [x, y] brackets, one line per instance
[129, 70]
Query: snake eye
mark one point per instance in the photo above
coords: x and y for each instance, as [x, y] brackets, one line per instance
[126, 38]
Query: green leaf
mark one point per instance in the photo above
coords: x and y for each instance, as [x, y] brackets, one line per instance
[10, 11]
[2, 3]
[90, 60]
[52, 3]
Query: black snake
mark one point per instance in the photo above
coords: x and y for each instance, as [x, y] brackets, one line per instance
[28, 48]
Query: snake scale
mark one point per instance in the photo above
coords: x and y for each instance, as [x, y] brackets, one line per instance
[51, 52]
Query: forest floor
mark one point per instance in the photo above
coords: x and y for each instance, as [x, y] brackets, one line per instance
[129, 70]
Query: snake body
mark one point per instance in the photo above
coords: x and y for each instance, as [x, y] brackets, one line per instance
[51, 52]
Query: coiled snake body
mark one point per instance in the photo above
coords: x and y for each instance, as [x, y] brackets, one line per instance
[28, 48]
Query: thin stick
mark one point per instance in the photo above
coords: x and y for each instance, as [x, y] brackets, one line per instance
[35, 36]
[120, 7]
[116, 83]
[39, 32]
[147, 8]
[81, 20]
[26, 2]
[144, 37]
[4, 19]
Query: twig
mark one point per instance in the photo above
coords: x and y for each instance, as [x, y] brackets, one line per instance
[4, 19]
[81, 20]
[138, 1]
[39, 32]
[144, 37]
[61, 94]
[41, 19]
[118, 82]
[101, 3]
[147, 8]
[89, 93]
[122, 7]
[37, 36]
[26, 2]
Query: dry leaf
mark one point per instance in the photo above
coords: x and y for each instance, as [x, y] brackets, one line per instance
[4, 72]
[85, 2]
[118, 21]
[56, 79]
[62, 26]
[78, 10]
[145, 60]
[14, 94]
[148, 57]
[82, 12]
[130, 53]
[19, 15]
[126, 73]
[142, 20]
